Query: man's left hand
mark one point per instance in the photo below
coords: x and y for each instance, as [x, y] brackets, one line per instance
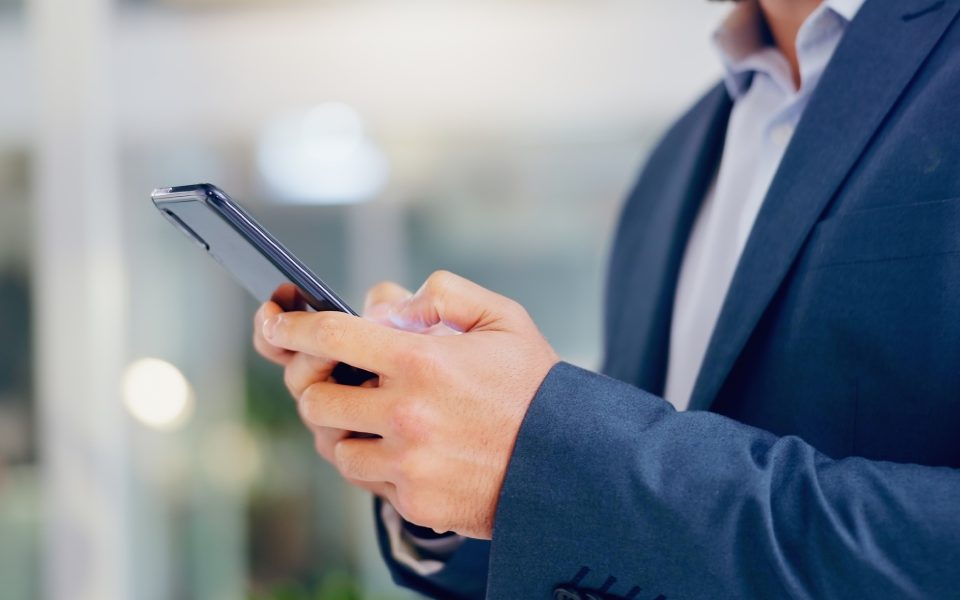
[448, 409]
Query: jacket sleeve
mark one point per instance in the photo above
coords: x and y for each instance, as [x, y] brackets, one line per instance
[460, 576]
[610, 488]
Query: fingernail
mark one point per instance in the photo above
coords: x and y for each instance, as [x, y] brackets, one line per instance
[270, 326]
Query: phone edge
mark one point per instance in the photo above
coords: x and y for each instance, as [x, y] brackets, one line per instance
[244, 223]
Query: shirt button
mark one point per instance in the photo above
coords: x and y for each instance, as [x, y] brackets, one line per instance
[781, 134]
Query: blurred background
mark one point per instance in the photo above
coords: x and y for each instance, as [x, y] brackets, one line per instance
[145, 451]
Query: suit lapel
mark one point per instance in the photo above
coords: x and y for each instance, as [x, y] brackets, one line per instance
[650, 244]
[878, 57]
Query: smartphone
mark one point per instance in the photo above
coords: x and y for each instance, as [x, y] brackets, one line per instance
[223, 229]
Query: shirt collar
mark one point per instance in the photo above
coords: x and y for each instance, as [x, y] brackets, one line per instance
[744, 45]
[847, 9]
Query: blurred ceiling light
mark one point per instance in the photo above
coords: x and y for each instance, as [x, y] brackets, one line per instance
[322, 156]
[157, 394]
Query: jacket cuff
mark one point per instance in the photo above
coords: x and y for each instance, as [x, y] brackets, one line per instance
[568, 479]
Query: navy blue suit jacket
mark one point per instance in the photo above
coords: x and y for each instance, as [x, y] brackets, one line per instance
[820, 458]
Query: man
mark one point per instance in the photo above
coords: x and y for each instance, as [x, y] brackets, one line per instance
[787, 268]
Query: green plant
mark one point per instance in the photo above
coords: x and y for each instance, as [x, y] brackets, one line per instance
[334, 586]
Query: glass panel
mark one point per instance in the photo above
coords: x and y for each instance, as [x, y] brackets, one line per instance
[19, 469]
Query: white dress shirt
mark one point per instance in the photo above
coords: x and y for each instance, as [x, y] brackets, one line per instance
[767, 107]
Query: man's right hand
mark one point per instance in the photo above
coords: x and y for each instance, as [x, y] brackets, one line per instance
[302, 370]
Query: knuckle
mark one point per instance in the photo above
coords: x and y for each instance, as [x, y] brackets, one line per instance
[322, 447]
[380, 292]
[413, 507]
[347, 463]
[307, 403]
[439, 282]
[271, 353]
[290, 381]
[325, 441]
[260, 346]
[513, 308]
[411, 420]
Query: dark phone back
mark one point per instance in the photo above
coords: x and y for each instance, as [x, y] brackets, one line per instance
[233, 238]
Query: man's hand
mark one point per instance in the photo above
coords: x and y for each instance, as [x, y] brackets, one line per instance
[448, 408]
[301, 370]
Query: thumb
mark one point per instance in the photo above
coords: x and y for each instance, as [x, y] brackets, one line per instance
[381, 299]
[455, 302]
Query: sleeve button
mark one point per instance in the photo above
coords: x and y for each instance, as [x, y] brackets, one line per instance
[563, 593]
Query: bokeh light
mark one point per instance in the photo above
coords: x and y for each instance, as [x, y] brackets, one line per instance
[157, 394]
[321, 156]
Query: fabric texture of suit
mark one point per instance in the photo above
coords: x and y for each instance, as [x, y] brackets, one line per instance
[820, 458]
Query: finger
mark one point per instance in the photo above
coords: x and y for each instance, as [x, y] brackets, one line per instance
[384, 294]
[363, 459]
[455, 302]
[384, 298]
[303, 370]
[383, 489]
[343, 337]
[280, 356]
[325, 404]
[325, 440]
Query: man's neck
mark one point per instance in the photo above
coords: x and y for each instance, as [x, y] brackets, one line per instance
[784, 18]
